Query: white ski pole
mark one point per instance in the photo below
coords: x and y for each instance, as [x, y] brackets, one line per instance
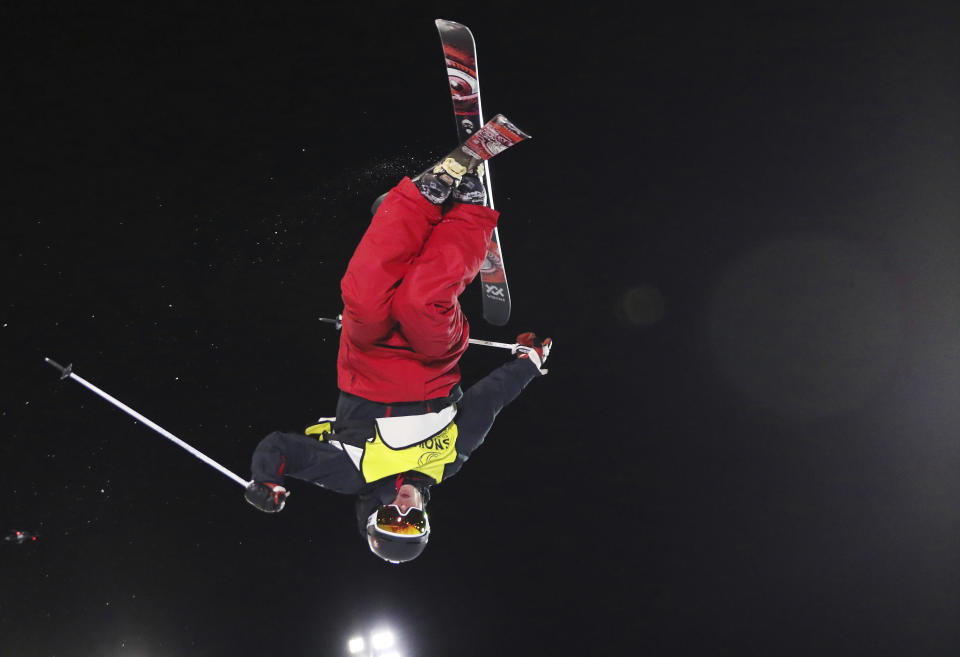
[67, 373]
[514, 348]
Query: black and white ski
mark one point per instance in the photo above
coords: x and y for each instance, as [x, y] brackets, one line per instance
[460, 56]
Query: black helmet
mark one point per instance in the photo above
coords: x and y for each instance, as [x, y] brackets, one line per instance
[395, 536]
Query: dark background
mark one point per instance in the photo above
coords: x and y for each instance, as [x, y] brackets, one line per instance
[740, 224]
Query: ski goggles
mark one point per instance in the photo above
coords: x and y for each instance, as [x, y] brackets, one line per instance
[391, 520]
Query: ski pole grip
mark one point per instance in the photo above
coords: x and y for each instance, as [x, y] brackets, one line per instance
[65, 372]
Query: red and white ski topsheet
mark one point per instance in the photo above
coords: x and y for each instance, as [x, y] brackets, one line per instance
[496, 136]
[460, 56]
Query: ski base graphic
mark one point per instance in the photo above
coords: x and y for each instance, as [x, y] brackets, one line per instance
[460, 58]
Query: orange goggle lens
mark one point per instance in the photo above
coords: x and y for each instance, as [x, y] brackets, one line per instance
[413, 523]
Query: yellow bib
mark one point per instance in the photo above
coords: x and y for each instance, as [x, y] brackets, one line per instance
[429, 456]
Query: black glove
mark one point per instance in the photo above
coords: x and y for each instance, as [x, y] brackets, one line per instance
[536, 350]
[265, 496]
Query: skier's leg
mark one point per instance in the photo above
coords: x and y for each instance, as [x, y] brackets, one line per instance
[396, 236]
[426, 303]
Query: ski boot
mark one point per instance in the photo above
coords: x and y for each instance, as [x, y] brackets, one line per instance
[438, 182]
[471, 190]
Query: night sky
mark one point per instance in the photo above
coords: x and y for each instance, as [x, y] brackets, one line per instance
[741, 226]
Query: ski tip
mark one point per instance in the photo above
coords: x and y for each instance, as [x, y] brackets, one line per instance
[445, 25]
[502, 120]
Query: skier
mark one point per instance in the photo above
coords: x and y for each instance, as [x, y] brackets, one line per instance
[403, 424]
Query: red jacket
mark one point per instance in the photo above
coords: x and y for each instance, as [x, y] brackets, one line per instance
[403, 329]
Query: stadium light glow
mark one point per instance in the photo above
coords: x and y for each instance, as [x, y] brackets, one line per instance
[355, 645]
[381, 642]
[382, 639]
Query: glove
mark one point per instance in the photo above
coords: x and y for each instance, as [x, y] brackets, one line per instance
[537, 350]
[265, 496]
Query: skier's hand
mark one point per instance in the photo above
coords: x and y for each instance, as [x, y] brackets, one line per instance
[266, 496]
[536, 350]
